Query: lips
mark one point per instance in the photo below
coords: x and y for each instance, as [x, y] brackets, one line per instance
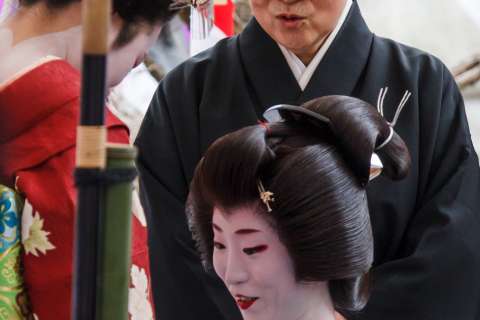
[245, 302]
[290, 20]
[288, 16]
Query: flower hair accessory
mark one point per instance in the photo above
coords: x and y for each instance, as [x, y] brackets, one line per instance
[265, 196]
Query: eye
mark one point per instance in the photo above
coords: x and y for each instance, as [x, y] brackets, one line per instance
[253, 250]
[218, 246]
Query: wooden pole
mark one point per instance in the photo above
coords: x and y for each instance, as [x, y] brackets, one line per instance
[90, 157]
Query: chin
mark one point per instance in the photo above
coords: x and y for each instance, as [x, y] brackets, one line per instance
[249, 316]
[294, 45]
[290, 39]
[115, 80]
[257, 315]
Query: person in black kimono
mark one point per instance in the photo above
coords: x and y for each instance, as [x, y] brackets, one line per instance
[426, 227]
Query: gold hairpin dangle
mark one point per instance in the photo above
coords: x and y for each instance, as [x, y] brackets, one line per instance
[265, 196]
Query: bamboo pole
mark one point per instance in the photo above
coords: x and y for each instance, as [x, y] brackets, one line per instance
[115, 239]
[90, 157]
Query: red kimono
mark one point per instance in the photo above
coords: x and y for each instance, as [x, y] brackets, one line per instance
[39, 112]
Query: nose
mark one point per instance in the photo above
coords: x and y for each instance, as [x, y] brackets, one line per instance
[236, 272]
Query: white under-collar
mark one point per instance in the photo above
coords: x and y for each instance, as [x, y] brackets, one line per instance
[303, 73]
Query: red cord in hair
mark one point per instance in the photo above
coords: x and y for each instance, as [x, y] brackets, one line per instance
[265, 125]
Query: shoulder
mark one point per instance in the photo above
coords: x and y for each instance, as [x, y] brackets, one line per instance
[417, 69]
[410, 59]
[182, 90]
[179, 94]
[206, 64]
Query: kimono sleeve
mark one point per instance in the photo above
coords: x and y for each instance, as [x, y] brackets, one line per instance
[181, 287]
[440, 278]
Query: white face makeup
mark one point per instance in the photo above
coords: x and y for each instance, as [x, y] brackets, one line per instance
[28, 52]
[123, 59]
[67, 44]
[258, 271]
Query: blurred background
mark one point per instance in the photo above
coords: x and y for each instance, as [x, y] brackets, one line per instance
[448, 29]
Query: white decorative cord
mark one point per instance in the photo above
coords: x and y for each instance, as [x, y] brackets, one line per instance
[390, 136]
[401, 105]
[381, 98]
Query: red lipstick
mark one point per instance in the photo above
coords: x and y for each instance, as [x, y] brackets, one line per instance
[245, 302]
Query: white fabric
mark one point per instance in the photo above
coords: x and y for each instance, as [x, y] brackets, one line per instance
[199, 45]
[303, 73]
[21, 55]
[130, 99]
[376, 166]
[7, 8]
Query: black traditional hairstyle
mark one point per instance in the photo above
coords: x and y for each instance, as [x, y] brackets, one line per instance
[132, 12]
[318, 172]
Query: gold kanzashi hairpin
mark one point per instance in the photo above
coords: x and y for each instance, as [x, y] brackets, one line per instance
[265, 196]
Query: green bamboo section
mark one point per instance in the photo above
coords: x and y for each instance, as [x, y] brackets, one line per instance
[115, 239]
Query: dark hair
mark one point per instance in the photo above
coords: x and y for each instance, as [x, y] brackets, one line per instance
[133, 13]
[318, 173]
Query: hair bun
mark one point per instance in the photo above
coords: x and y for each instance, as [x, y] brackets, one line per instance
[358, 129]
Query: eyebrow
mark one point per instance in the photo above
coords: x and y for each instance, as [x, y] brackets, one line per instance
[239, 231]
[246, 231]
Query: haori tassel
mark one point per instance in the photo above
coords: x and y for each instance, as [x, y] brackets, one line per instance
[201, 19]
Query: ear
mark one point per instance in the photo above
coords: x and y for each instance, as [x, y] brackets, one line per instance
[116, 24]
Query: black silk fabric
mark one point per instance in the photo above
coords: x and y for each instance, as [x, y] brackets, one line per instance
[426, 227]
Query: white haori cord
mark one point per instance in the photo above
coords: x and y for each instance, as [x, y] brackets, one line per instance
[401, 105]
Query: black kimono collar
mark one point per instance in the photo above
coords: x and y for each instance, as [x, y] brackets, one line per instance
[272, 80]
